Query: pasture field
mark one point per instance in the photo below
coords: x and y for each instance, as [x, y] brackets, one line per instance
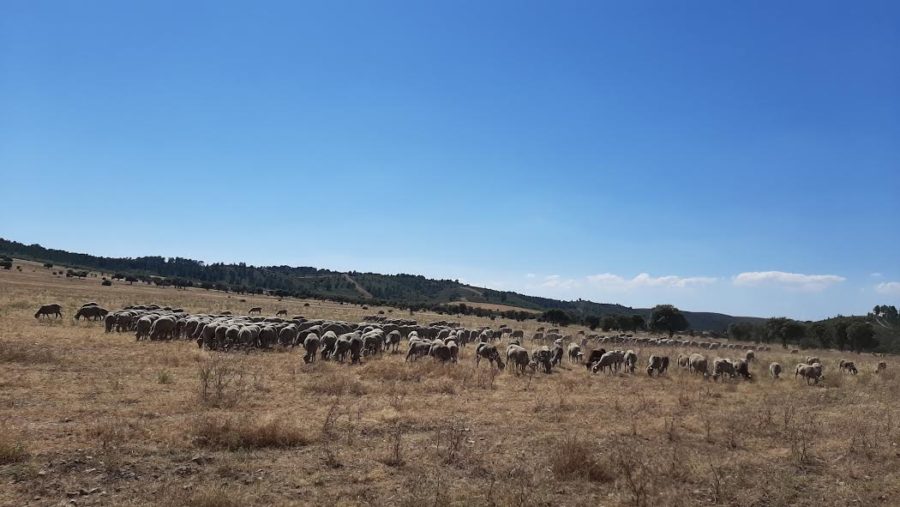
[90, 418]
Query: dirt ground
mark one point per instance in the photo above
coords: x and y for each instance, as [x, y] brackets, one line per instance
[90, 418]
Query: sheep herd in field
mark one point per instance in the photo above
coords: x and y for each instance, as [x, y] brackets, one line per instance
[341, 341]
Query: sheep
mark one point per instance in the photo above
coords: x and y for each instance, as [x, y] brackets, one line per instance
[683, 361]
[574, 352]
[543, 357]
[881, 366]
[593, 357]
[439, 351]
[327, 343]
[91, 312]
[487, 351]
[268, 335]
[556, 354]
[809, 372]
[143, 327]
[256, 309]
[454, 350]
[281, 313]
[775, 370]
[606, 362]
[288, 335]
[392, 341]
[812, 360]
[723, 367]
[742, 368]
[517, 356]
[341, 347]
[356, 348]
[48, 310]
[631, 360]
[311, 345]
[749, 356]
[657, 363]
[847, 366]
[697, 364]
[417, 348]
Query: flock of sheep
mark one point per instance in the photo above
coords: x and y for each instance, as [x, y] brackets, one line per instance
[337, 340]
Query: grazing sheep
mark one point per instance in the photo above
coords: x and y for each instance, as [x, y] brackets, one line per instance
[91, 312]
[311, 345]
[356, 347]
[723, 367]
[881, 366]
[268, 336]
[392, 341]
[487, 351]
[439, 351]
[48, 310]
[341, 347]
[659, 364]
[812, 360]
[684, 361]
[631, 360]
[327, 343]
[697, 363]
[454, 350]
[256, 309]
[606, 362]
[143, 328]
[848, 366]
[742, 368]
[593, 357]
[517, 356]
[543, 357]
[418, 348]
[556, 354]
[574, 352]
[775, 370]
[809, 372]
[281, 313]
[749, 356]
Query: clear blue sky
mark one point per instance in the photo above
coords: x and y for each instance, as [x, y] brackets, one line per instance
[743, 156]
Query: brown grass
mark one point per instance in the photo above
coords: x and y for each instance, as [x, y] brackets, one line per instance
[246, 432]
[165, 423]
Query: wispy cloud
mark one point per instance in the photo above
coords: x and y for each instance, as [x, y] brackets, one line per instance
[645, 280]
[876, 275]
[787, 280]
[530, 275]
[558, 282]
[888, 288]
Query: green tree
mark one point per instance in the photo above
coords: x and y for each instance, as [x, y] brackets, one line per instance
[861, 336]
[637, 322]
[667, 318]
[840, 334]
[785, 330]
[592, 322]
[609, 323]
[556, 316]
[821, 334]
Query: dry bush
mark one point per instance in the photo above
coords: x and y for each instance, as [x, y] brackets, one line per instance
[12, 449]
[164, 377]
[234, 433]
[223, 381]
[27, 354]
[395, 457]
[113, 433]
[572, 458]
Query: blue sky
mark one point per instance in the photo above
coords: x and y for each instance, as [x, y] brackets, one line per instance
[741, 157]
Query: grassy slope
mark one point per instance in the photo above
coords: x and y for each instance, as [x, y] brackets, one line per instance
[81, 409]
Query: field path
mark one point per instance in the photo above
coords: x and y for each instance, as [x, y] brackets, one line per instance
[359, 288]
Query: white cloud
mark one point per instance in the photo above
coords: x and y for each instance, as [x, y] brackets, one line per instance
[530, 275]
[876, 275]
[611, 281]
[557, 282]
[888, 288]
[788, 280]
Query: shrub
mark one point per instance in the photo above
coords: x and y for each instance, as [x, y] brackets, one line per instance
[245, 433]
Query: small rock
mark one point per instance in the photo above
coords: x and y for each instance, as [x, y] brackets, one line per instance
[42, 472]
[90, 470]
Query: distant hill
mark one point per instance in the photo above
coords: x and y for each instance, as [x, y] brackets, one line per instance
[397, 290]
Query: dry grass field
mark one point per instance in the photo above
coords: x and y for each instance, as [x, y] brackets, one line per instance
[90, 418]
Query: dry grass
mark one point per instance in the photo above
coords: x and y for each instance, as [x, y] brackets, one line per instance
[166, 424]
[246, 432]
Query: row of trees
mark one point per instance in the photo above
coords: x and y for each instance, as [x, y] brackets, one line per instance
[844, 333]
[663, 318]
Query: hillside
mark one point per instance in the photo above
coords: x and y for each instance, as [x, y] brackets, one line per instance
[398, 290]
